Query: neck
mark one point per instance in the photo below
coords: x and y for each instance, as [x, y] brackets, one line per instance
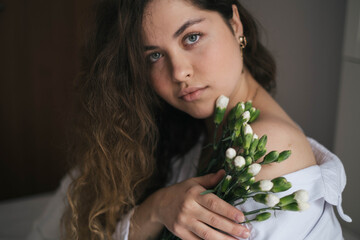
[247, 90]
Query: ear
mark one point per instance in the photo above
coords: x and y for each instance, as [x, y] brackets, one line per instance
[236, 24]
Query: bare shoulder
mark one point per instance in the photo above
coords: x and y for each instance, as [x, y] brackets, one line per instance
[283, 135]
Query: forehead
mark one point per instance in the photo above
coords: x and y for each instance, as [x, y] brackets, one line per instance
[167, 8]
[162, 16]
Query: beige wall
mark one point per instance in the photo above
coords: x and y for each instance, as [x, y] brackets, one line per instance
[306, 40]
[348, 118]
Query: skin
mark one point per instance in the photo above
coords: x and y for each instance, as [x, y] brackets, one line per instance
[195, 57]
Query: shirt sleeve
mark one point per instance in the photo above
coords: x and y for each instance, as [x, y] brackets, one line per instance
[333, 175]
[324, 182]
[47, 226]
[123, 227]
[317, 222]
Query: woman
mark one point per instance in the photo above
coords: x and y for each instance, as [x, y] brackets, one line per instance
[152, 73]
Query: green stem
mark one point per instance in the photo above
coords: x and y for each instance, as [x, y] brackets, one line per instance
[208, 145]
[261, 210]
[215, 133]
[225, 139]
[239, 203]
[211, 164]
[252, 194]
[247, 221]
[218, 188]
[230, 188]
[257, 211]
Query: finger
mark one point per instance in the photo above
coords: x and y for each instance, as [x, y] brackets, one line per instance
[187, 235]
[225, 225]
[205, 232]
[210, 180]
[219, 206]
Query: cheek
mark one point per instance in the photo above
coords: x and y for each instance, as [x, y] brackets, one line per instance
[162, 87]
[157, 81]
[221, 59]
[159, 87]
[229, 57]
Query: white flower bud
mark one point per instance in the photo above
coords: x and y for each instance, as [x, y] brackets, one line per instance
[255, 136]
[222, 102]
[246, 116]
[242, 105]
[266, 185]
[301, 196]
[226, 183]
[248, 129]
[230, 153]
[239, 162]
[251, 180]
[303, 206]
[254, 169]
[271, 200]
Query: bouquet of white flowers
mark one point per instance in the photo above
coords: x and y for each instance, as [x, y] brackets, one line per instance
[239, 151]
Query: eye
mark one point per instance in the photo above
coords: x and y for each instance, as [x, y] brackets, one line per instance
[192, 38]
[155, 56]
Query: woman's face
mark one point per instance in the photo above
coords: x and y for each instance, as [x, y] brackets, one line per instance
[194, 56]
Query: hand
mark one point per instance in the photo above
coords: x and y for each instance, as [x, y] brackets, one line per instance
[190, 215]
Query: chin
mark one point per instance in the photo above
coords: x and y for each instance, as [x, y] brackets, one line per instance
[201, 114]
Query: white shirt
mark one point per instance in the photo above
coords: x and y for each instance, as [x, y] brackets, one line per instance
[324, 183]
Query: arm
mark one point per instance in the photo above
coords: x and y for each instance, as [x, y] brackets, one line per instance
[186, 213]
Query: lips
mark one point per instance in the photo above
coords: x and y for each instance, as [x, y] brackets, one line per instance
[191, 93]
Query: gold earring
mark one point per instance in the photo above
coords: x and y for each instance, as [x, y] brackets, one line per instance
[243, 43]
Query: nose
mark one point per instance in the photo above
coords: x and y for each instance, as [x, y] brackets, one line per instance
[182, 69]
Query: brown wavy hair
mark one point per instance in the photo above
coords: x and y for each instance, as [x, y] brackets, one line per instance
[118, 144]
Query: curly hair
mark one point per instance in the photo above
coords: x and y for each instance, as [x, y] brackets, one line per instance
[118, 142]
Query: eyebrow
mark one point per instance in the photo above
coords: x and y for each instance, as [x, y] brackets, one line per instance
[148, 48]
[186, 25]
[179, 31]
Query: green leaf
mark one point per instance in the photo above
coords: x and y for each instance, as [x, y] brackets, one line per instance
[259, 154]
[207, 192]
[262, 216]
[219, 115]
[280, 185]
[284, 155]
[248, 105]
[271, 157]
[262, 143]
[254, 115]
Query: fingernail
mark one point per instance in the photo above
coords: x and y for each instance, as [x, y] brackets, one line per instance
[240, 218]
[246, 234]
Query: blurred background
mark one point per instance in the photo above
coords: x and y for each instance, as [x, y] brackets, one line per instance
[317, 48]
[316, 45]
[39, 59]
